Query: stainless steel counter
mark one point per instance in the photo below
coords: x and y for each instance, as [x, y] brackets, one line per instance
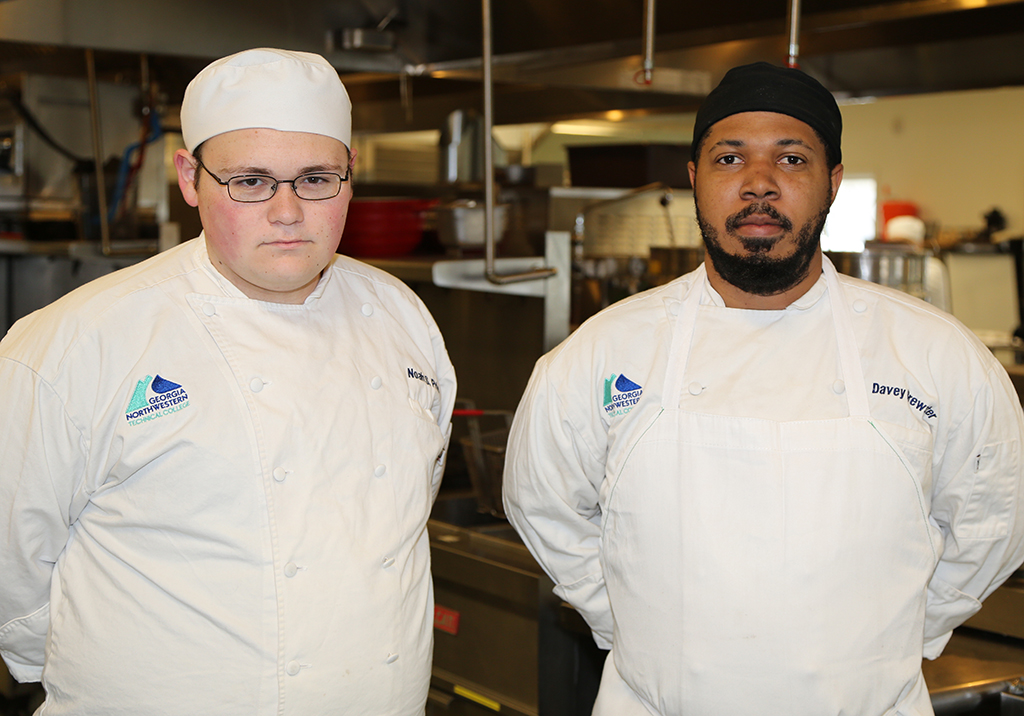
[973, 672]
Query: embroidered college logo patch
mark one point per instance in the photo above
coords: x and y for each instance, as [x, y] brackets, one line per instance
[155, 398]
[620, 395]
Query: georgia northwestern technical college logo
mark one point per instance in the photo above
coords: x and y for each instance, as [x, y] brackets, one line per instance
[155, 398]
[620, 395]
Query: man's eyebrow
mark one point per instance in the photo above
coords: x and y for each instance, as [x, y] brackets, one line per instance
[323, 168]
[780, 143]
[793, 142]
[237, 171]
[264, 171]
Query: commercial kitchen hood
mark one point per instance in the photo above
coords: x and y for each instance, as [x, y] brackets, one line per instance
[414, 61]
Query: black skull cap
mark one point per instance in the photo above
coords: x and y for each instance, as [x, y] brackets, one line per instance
[763, 87]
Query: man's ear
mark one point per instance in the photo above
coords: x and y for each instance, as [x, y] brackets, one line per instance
[836, 179]
[187, 166]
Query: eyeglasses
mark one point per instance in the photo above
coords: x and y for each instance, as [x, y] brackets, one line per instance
[254, 188]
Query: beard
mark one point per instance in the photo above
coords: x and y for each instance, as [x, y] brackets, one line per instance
[756, 272]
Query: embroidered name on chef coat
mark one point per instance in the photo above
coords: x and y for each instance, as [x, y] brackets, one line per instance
[904, 394]
[417, 375]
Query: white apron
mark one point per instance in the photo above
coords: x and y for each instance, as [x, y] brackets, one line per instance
[762, 567]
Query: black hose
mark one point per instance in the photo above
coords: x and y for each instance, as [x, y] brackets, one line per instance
[34, 124]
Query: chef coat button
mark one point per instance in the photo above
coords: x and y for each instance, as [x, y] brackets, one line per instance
[209, 309]
[839, 387]
[860, 306]
[674, 309]
[292, 668]
[392, 658]
[388, 561]
[696, 388]
[379, 470]
[376, 382]
[290, 569]
[256, 385]
[280, 474]
[367, 309]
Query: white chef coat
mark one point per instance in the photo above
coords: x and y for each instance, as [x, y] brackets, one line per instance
[939, 411]
[215, 505]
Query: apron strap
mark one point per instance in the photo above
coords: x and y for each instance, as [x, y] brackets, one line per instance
[846, 345]
[685, 313]
[849, 356]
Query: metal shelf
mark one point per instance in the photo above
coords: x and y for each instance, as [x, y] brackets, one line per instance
[470, 275]
[76, 249]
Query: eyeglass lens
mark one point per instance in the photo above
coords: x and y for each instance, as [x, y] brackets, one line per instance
[313, 187]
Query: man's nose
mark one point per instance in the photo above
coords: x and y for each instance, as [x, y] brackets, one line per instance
[759, 182]
[285, 206]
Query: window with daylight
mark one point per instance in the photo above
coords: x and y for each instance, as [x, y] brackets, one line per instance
[851, 220]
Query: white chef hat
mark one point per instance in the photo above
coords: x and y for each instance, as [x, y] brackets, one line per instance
[266, 88]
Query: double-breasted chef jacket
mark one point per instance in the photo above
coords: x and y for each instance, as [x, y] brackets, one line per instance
[216, 505]
[771, 512]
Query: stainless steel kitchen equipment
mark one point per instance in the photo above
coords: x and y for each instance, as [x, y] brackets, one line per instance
[900, 266]
[665, 264]
[630, 224]
[460, 223]
[1002, 611]
[462, 148]
[502, 640]
[978, 675]
[614, 234]
[484, 453]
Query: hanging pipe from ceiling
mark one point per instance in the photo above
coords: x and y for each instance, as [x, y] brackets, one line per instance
[489, 239]
[794, 33]
[648, 68]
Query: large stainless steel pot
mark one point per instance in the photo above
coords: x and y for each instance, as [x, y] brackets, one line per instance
[899, 266]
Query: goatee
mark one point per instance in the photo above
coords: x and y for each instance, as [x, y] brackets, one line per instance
[756, 272]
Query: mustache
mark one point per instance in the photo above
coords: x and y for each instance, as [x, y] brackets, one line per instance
[763, 209]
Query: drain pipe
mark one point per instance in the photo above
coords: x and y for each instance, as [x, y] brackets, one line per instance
[794, 33]
[489, 239]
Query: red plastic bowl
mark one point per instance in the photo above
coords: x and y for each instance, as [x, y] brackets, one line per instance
[378, 228]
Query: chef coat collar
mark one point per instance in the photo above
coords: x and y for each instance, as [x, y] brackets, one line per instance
[809, 299]
[202, 258]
